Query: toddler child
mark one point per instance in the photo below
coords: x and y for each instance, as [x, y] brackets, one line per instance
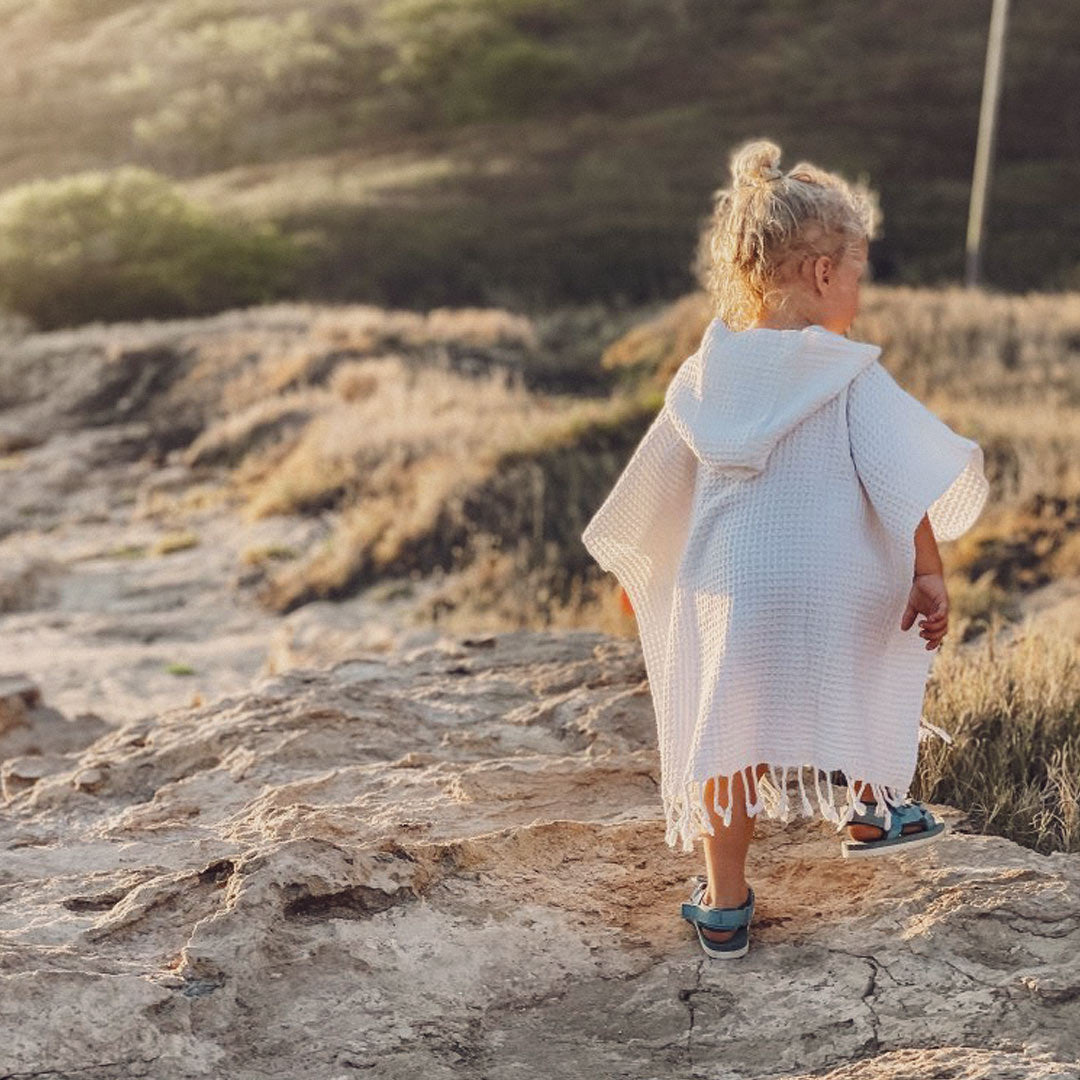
[775, 533]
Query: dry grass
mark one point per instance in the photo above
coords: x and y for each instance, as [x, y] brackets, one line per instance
[1012, 350]
[655, 347]
[267, 553]
[367, 331]
[1018, 547]
[1012, 706]
[418, 427]
[398, 452]
[946, 345]
[361, 443]
[268, 422]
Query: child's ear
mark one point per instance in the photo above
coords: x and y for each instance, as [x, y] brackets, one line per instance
[822, 270]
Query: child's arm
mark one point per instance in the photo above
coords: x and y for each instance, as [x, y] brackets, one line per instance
[928, 594]
[927, 556]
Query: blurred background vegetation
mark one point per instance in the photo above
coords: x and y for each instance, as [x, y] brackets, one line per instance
[511, 152]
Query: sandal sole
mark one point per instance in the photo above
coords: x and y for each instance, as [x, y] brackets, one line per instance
[731, 949]
[864, 849]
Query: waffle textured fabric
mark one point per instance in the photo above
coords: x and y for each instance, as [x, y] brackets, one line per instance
[763, 530]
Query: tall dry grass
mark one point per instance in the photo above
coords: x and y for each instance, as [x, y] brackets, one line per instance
[407, 457]
[409, 428]
[1012, 707]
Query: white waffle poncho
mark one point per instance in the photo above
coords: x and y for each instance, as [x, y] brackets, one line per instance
[764, 532]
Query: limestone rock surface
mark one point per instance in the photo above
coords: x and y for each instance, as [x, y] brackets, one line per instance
[449, 862]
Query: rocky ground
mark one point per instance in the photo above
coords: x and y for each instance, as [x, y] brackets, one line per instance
[100, 607]
[449, 861]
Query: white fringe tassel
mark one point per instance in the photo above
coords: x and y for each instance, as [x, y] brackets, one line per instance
[688, 817]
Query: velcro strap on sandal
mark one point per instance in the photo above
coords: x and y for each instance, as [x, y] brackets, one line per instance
[904, 815]
[720, 918]
[723, 918]
[899, 816]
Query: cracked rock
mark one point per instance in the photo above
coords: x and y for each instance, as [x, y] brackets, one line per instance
[386, 868]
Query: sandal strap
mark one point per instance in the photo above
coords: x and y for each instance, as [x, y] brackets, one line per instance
[915, 811]
[899, 817]
[717, 918]
[720, 918]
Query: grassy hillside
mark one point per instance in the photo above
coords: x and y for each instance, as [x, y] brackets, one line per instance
[529, 152]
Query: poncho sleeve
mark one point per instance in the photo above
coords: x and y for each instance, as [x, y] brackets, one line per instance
[639, 531]
[910, 462]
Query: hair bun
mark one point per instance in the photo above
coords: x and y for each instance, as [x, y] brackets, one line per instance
[756, 163]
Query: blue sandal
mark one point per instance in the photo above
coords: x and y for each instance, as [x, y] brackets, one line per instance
[716, 918]
[894, 838]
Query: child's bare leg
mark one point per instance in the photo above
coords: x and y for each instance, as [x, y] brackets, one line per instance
[725, 850]
[872, 832]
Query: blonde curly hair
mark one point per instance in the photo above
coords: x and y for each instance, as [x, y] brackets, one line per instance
[767, 221]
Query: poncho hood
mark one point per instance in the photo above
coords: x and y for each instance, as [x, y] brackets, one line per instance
[742, 391]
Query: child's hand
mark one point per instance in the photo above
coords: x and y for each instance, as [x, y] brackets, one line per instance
[928, 597]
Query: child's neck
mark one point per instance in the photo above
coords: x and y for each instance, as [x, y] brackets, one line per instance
[773, 323]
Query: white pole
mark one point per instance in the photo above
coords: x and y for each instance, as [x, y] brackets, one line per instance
[984, 149]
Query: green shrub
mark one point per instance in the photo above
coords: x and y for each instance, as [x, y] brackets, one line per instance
[127, 244]
[475, 60]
